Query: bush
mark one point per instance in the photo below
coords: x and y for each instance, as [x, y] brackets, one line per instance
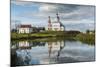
[86, 38]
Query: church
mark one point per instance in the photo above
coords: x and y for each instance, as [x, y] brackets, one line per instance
[56, 25]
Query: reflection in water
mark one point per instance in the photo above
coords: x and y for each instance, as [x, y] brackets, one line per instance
[31, 53]
[55, 46]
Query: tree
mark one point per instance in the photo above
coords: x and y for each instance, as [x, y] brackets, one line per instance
[87, 31]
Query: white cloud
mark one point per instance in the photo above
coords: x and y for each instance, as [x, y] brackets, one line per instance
[67, 12]
[72, 16]
[23, 3]
[47, 8]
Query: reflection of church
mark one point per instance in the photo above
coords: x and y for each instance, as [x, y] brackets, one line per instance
[54, 49]
[56, 25]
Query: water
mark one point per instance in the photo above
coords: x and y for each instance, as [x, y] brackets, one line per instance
[51, 52]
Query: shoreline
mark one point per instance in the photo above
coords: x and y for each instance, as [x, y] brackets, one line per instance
[76, 35]
[45, 34]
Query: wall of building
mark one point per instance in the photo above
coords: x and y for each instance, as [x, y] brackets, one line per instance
[24, 30]
[56, 27]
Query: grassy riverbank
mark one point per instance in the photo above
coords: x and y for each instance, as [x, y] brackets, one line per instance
[86, 38]
[52, 35]
[45, 34]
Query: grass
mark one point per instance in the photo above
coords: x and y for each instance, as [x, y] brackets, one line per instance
[54, 35]
[86, 38]
[43, 34]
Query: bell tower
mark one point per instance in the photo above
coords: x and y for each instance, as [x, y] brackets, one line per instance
[58, 18]
[49, 23]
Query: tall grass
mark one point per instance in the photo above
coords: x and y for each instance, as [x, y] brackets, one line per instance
[86, 38]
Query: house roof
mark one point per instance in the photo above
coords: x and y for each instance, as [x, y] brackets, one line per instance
[25, 26]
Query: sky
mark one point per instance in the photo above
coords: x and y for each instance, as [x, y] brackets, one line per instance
[73, 17]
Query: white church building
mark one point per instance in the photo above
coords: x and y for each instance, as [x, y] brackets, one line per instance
[56, 25]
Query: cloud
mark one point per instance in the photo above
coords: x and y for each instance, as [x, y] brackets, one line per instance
[80, 26]
[72, 16]
[46, 7]
[67, 11]
[83, 12]
[54, 8]
[23, 3]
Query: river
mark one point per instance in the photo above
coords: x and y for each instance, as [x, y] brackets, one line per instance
[50, 52]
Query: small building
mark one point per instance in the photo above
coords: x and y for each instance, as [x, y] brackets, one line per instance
[55, 25]
[25, 29]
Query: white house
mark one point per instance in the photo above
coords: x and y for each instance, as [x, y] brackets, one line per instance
[25, 29]
[56, 25]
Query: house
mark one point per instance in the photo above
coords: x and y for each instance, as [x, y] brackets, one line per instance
[25, 29]
[55, 25]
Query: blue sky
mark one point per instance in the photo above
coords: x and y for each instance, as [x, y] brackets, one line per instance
[74, 17]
